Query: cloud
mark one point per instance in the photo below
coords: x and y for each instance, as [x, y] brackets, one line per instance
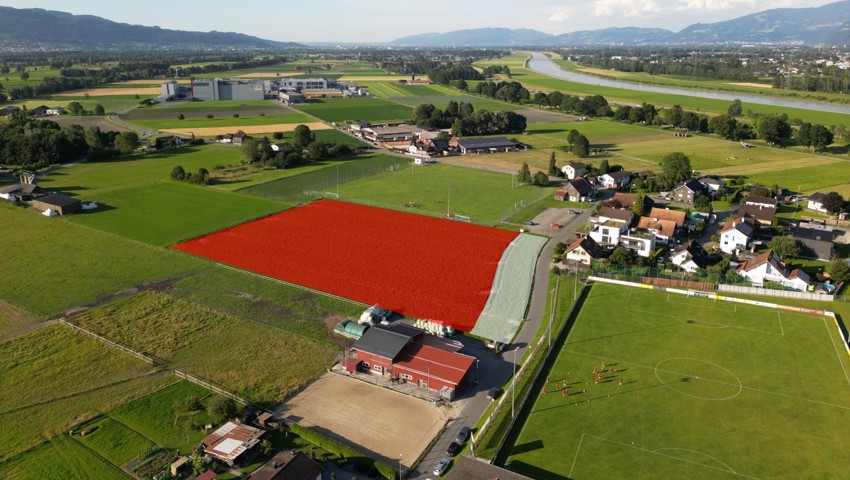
[627, 8]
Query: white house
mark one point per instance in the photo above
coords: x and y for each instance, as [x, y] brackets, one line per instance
[55, 110]
[769, 267]
[712, 185]
[736, 234]
[815, 202]
[690, 257]
[573, 170]
[615, 179]
[764, 202]
[639, 241]
[607, 234]
[664, 230]
[583, 251]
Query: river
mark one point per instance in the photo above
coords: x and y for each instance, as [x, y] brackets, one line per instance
[542, 64]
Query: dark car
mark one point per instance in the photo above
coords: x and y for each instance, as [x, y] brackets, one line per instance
[463, 435]
[453, 449]
[493, 393]
[530, 223]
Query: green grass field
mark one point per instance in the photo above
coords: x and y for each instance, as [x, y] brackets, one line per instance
[218, 347]
[223, 122]
[350, 109]
[56, 377]
[15, 321]
[116, 442]
[710, 390]
[439, 96]
[59, 457]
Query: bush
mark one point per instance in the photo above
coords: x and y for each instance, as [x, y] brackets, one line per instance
[181, 117]
[235, 115]
[341, 450]
[210, 116]
[222, 408]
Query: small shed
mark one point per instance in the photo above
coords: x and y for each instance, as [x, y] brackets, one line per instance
[350, 329]
[57, 202]
[178, 465]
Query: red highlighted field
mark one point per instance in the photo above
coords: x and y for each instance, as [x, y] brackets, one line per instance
[419, 266]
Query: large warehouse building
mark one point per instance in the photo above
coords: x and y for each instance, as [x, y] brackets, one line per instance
[232, 89]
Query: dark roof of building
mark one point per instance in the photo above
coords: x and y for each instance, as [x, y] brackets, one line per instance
[755, 199]
[19, 188]
[817, 197]
[759, 212]
[695, 253]
[619, 175]
[289, 466]
[618, 213]
[745, 225]
[467, 468]
[385, 342]
[692, 185]
[58, 200]
[577, 165]
[711, 181]
[8, 110]
[816, 240]
[581, 185]
[587, 244]
[494, 142]
[814, 231]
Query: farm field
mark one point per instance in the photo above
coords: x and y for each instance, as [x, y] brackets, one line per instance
[215, 346]
[56, 377]
[436, 189]
[688, 366]
[110, 103]
[230, 122]
[59, 457]
[351, 109]
[116, 443]
[15, 321]
[439, 96]
[412, 276]
[249, 129]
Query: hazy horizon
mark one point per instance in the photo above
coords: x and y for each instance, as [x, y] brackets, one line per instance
[377, 21]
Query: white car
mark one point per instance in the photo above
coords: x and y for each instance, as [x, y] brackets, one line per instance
[441, 466]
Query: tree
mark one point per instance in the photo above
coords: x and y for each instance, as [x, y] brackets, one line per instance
[839, 270]
[604, 167]
[250, 150]
[266, 447]
[621, 256]
[833, 202]
[99, 110]
[581, 147]
[821, 137]
[703, 203]
[25, 75]
[317, 151]
[221, 408]
[127, 142]
[181, 117]
[302, 136]
[572, 136]
[675, 167]
[277, 135]
[759, 191]
[541, 179]
[735, 109]
[787, 247]
[637, 207]
[773, 129]
[804, 135]
[553, 169]
[178, 173]
[724, 125]
[524, 174]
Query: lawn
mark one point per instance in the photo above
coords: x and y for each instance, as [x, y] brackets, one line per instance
[215, 346]
[59, 457]
[706, 386]
[115, 442]
[15, 321]
[224, 122]
[56, 377]
[439, 96]
[166, 213]
[351, 109]
[484, 196]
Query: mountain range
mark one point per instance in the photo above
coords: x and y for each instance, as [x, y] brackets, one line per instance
[33, 28]
[828, 24]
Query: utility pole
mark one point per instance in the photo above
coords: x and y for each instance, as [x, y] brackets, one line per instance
[513, 385]
[449, 207]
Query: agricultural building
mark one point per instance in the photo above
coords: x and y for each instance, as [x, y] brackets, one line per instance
[350, 329]
[816, 241]
[289, 466]
[231, 89]
[486, 145]
[233, 443]
[323, 93]
[22, 191]
[406, 354]
[397, 133]
[57, 202]
[469, 468]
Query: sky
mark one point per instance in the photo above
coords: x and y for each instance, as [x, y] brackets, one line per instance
[360, 21]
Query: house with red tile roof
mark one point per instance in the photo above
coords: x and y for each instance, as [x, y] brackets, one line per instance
[769, 267]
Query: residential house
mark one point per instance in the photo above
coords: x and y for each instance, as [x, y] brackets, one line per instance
[573, 170]
[764, 202]
[609, 225]
[816, 241]
[688, 191]
[53, 111]
[664, 230]
[677, 216]
[486, 145]
[470, 468]
[769, 267]
[736, 234]
[406, 354]
[38, 111]
[639, 241]
[763, 216]
[429, 146]
[9, 112]
[578, 190]
[712, 186]
[620, 214]
[619, 179]
[281, 147]
[627, 200]
[583, 251]
[233, 443]
[690, 257]
[289, 465]
[815, 202]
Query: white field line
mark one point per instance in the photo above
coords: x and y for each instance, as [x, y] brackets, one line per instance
[576, 457]
[781, 329]
[832, 342]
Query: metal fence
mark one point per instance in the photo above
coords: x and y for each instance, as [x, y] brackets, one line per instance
[635, 274]
[768, 292]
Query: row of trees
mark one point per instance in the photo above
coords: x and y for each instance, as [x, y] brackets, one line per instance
[464, 120]
[539, 178]
[304, 148]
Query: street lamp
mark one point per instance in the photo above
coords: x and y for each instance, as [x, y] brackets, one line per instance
[513, 385]
[400, 471]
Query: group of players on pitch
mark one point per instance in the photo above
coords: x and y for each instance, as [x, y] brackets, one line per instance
[563, 385]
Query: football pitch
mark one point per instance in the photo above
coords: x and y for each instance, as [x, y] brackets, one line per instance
[689, 388]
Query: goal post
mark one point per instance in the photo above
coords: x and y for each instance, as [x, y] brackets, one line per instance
[462, 218]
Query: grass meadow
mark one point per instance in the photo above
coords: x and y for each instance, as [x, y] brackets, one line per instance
[115, 442]
[215, 346]
[56, 377]
[59, 457]
[710, 390]
[351, 109]
[15, 321]
[224, 122]
[439, 96]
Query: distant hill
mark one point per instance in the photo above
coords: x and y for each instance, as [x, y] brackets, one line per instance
[828, 24]
[32, 28]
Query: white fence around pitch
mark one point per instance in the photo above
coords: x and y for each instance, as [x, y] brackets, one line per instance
[775, 293]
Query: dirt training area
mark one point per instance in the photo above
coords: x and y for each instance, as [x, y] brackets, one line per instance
[249, 129]
[377, 421]
[533, 115]
[86, 122]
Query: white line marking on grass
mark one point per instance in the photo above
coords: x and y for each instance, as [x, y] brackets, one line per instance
[626, 307]
[740, 384]
[782, 330]
[656, 452]
[576, 457]
[832, 341]
[698, 453]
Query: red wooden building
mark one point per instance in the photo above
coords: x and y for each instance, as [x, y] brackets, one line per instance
[407, 354]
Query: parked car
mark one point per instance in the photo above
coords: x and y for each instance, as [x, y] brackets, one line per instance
[441, 467]
[497, 347]
[493, 393]
[463, 435]
[453, 449]
[530, 223]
